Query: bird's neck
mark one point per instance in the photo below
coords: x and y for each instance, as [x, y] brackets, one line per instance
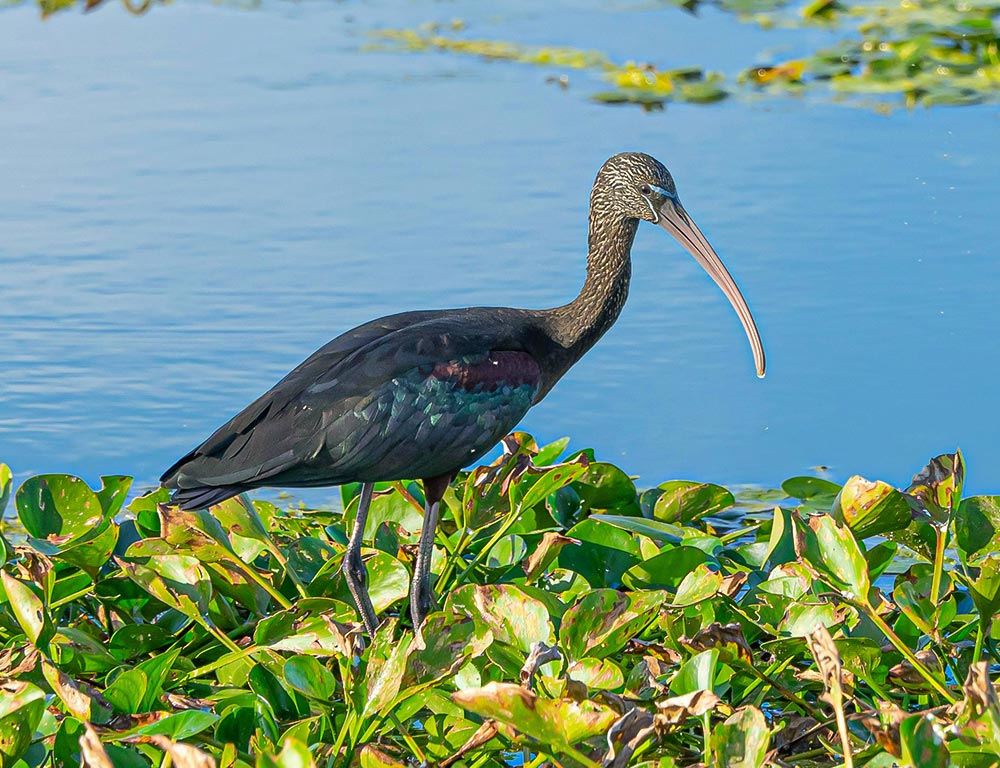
[578, 325]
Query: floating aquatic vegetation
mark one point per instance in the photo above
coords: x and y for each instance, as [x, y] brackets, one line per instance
[927, 52]
[633, 83]
[580, 622]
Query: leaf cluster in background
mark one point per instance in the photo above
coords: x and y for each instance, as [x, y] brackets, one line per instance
[580, 622]
[928, 52]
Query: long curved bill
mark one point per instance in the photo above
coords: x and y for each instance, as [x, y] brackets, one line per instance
[674, 219]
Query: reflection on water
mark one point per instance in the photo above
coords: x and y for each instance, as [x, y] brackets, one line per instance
[195, 200]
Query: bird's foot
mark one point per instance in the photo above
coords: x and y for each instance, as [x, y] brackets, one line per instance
[356, 577]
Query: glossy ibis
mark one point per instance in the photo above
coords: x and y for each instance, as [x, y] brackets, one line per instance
[423, 394]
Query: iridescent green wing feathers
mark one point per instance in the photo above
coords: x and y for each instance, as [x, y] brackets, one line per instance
[416, 395]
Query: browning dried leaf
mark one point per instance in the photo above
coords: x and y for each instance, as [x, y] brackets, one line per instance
[183, 755]
[626, 735]
[92, 752]
[17, 660]
[728, 638]
[884, 726]
[677, 709]
[794, 730]
[546, 551]
[732, 584]
[657, 650]
[906, 676]
[540, 653]
[483, 734]
[980, 694]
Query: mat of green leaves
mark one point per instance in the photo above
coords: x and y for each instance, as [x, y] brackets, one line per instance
[581, 622]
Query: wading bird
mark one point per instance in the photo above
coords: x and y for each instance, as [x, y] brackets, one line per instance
[423, 394]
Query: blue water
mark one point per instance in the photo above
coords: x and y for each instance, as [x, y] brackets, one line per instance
[193, 201]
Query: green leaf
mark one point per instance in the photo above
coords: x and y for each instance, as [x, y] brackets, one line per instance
[804, 618]
[178, 581]
[922, 740]
[696, 674]
[114, 491]
[450, 640]
[294, 754]
[985, 589]
[388, 580]
[654, 529]
[314, 625]
[605, 552]
[814, 489]
[157, 670]
[600, 622]
[560, 723]
[606, 487]
[66, 745]
[180, 725]
[306, 675]
[237, 519]
[509, 550]
[741, 741]
[384, 672]
[550, 482]
[915, 606]
[831, 549]
[702, 583]
[134, 640]
[936, 490]
[514, 618]
[21, 708]
[685, 501]
[666, 570]
[977, 523]
[91, 553]
[372, 757]
[597, 674]
[550, 453]
[6, 478]
[28, 610]
[284, 703]
[127, 691]
[871, 508]
[58, 509]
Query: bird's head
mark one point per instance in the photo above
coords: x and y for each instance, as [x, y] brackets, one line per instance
[633, 185]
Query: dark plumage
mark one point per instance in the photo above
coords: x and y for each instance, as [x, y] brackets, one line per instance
[423, 394]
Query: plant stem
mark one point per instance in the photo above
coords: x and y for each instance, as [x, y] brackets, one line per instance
[290, 572]
[798, 701]
[907, 653]
[978, 650]
[264, 584]
[401, 490]
[414, 747]
[511, 519]
[220, 662]
[348, 721]
[942, 538]
[845, 737]
[219, 635]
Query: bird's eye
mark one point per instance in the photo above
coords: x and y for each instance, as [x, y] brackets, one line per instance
[645, 189]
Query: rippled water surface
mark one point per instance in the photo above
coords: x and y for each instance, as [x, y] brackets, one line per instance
[193, 201]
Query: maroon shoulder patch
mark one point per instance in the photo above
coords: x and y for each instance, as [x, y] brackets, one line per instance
[499, 369]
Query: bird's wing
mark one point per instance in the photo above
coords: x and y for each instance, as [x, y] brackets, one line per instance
[283, 431]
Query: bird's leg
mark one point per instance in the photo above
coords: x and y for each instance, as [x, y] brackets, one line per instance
[420, 591]
[354, 568]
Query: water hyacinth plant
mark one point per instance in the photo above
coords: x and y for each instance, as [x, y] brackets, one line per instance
[580, 622]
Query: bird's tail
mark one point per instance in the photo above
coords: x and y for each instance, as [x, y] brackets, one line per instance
[204, 496]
